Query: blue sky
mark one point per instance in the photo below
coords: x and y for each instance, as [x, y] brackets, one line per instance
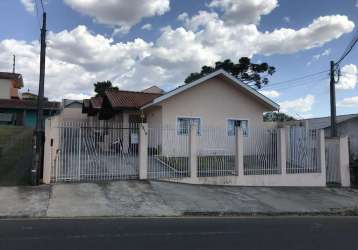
[140, 43]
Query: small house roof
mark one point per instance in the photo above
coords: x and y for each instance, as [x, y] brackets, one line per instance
[325, 122]
[221, 73]
[27, 104]
[120, 99]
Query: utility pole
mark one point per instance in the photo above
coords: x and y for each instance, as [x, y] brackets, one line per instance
[13, 64]
[332, 87]
[40, 131]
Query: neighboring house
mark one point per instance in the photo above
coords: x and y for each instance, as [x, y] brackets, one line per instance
[71, 110]
[23, 112]
[347, 125]
[28, 96]
[91, 107]
[17, 111]
[10, 83]
[217, 100]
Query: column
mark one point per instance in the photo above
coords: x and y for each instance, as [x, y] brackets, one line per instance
[193, 162]
[143, 151]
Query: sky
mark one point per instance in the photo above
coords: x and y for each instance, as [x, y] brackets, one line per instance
[140, 43]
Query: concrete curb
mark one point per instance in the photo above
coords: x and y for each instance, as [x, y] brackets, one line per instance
[341, 212]
[351, 212]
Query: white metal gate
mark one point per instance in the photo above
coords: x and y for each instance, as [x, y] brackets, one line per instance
[303, 150]
[96, 151]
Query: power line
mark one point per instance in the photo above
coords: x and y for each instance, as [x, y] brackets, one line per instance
[37, 14]
[42, 5]
[308, 81]
[349, 47]
[298, 79]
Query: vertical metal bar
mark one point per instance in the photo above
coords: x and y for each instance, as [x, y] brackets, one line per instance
[79, 152]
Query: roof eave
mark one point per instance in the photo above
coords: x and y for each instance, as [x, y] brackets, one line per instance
[265, 99]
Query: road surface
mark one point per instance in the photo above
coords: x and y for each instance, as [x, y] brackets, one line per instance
[287, 233]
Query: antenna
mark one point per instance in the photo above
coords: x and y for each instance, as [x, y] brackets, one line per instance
[13, 64]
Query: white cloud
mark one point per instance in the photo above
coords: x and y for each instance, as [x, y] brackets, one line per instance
[320, 31]
[77, 58]
[122, 14]
[356, 4]
[286, 19]
[244, 11]
[73, 96]
[29, 5]
[147, 26]
[316, 57]
[303, 104]
[270, 93]
[348, 79]
[348, 102]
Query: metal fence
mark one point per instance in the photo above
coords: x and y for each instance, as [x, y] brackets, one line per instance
[94, 151]
[260, 151]
[168, 153]
[216, 153]
[303, 150]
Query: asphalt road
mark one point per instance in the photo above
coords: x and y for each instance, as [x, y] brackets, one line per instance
[186, 233]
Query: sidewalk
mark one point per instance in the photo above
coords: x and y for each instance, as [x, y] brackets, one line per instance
[137, 198]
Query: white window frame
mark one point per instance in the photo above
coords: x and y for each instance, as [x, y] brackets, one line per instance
[189, 117]
[237, 119]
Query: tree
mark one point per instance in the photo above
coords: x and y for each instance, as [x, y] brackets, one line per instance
[101, 87]
[277, 117]
[244, 70]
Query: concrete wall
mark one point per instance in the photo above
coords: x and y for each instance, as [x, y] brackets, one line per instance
[5, 89]
[291, 180]
[51, 147]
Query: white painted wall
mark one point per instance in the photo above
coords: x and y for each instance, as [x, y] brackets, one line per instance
[214, 101]
[5, 89]
[73, 112]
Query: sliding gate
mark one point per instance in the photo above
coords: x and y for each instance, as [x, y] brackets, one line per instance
[96, 151]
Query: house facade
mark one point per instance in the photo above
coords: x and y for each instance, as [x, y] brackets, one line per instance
[208, 131]
[217, 100]
[16, 109]
[10, 83]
